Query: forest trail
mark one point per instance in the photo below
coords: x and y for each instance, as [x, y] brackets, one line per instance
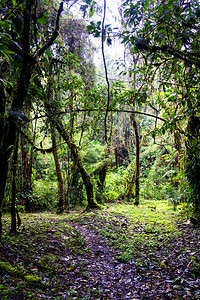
[114, 280]
[100, 255]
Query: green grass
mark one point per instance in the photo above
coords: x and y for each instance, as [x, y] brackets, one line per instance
[149, 225]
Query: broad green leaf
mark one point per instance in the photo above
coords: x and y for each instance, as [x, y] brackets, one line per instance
[90, 28]
[91, 11]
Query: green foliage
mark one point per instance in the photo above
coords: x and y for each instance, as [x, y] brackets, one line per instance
[45, 195]
[166, 34]
[159, 170]
[96, 30]
[80, 101]
[114, 186]
[93, 154]
[88, 6]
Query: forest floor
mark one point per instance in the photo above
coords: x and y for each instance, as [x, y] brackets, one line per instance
[118, 252]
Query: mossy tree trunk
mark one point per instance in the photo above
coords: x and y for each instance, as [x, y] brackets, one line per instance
[78, 162]
[8, 128]
[100, 174]
[61, 187]
[137, 162]
[14, 188]
[192, 167]
[135, 180]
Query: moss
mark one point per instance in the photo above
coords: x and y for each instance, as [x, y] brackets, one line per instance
[33, 279]
[7, 267]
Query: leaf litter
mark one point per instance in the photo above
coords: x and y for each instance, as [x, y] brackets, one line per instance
[99, 255]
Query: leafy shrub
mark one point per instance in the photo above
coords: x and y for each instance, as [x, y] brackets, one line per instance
[45, 195]
[114, 186]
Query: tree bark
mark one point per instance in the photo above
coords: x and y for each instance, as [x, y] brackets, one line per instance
[192, 168]
[136, 169]
[9, 130]
[61, 187]
[137, 162]
[14, 171]
[78, 162]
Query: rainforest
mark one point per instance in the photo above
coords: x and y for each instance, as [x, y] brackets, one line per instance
[99, 149]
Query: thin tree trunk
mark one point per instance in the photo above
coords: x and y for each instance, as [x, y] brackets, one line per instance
[61, 187]
[136, 168]
[26, 166]
[68, 181]
[14, 189]
[137, 162]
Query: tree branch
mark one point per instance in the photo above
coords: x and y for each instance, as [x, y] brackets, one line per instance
[106, 72]
[190, 58]
[42, 150]
[18, 50]
[119, 111]
[55, 33]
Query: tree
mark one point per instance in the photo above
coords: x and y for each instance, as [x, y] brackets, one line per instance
[60, 181]
[22, 45]
[166, 35]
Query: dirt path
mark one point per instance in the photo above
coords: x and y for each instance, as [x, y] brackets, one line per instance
[77, 262]
[113, 279]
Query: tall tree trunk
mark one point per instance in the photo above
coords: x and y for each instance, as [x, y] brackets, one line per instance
[137, 161]
[9, 130]
[136, 168]
[26, 171]
[61, 187]
[78, 162]
[14, 189]
[192, 167]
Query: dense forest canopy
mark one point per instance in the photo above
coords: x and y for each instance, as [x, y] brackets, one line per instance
[71, 134]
